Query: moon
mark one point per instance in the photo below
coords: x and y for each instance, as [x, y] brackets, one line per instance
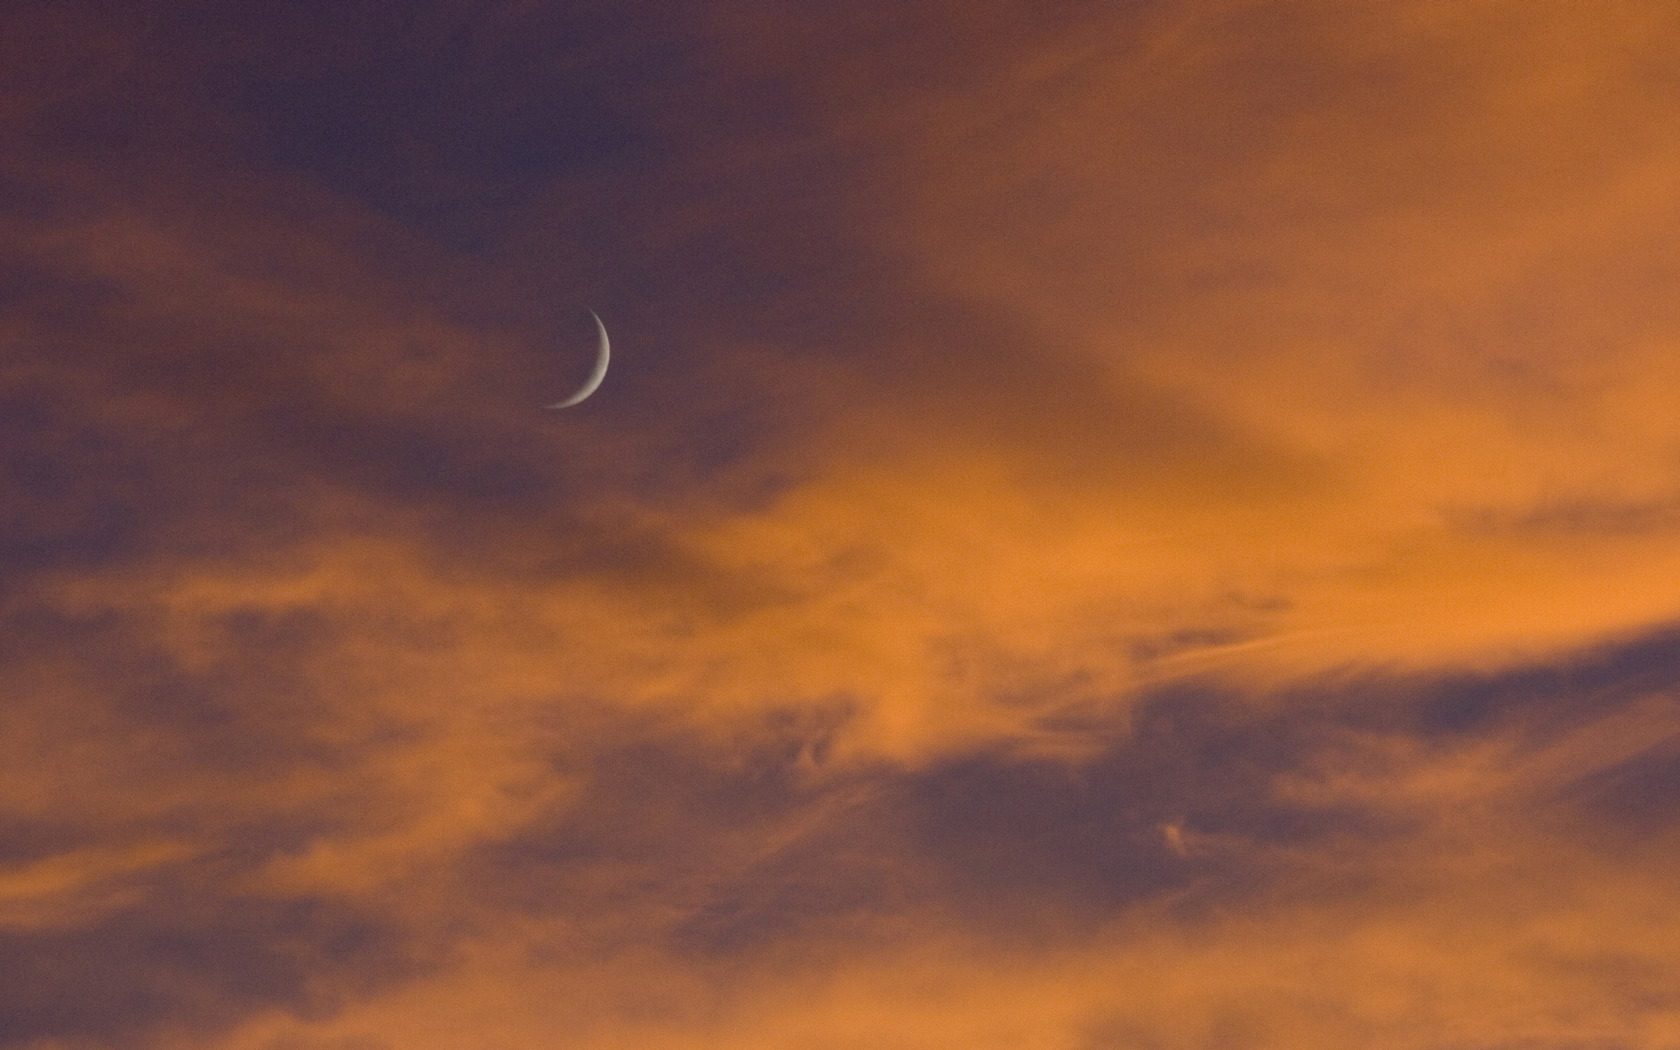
[602, 352]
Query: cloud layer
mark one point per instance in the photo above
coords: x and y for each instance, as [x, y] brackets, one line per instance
[1129, 528]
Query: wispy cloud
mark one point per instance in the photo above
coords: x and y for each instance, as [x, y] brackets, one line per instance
[1140, 528]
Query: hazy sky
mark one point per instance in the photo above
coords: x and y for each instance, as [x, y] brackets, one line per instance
[1111, 526]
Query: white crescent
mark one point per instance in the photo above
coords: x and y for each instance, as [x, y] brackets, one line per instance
[602, 352]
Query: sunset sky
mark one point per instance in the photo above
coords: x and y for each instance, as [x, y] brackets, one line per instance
[1126, 525]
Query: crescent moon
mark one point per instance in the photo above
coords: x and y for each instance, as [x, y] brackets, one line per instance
[602, 352]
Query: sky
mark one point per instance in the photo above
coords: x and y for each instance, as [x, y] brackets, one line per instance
[1141, 525]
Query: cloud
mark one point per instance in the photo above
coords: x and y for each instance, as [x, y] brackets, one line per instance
[1339, 877]
[179, 963]
[1130, 528]
[1040, 871]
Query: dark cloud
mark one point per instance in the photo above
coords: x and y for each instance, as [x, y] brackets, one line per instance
[70, 487]
[1538, 702]
[182, 961]
[1642, 793]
